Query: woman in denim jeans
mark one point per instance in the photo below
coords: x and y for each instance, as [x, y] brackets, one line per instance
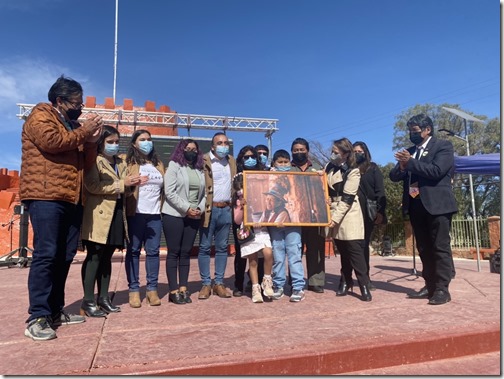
[143, 210]
[286, 241]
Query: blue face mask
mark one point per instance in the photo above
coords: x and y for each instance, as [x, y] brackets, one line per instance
[264, 159]
[222, 151]
[145, 147]
[111, 149]
[250, 162]
[283, 168]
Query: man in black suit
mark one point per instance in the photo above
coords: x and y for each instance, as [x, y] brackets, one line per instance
[428, 199]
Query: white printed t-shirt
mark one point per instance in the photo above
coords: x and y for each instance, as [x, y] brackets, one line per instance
[149, 194]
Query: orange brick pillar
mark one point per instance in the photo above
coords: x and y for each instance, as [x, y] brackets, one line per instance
[494, 231]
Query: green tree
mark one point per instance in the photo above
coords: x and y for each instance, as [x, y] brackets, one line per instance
[483, 137]
[393, 193]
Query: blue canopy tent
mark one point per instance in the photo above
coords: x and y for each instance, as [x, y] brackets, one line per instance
[482, 164]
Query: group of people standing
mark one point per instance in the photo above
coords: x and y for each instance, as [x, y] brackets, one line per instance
[75, 184]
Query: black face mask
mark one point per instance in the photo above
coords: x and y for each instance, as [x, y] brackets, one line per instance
[360, 157]
[73, 114]
[300, 158]
[190, 156]
[416, 138]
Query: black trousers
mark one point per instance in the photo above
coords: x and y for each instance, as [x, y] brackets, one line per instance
[97, 268]
[368, 230]
[180, 233]
[432, 236]
[352, 257]
[315, 255]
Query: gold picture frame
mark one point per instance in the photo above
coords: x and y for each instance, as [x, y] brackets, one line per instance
[285, 198]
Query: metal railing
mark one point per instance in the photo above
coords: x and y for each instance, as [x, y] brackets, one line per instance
[462, 234]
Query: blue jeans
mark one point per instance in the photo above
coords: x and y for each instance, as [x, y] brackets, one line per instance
[286, 241]
[56, 231]
[218, 228]
[143, 229]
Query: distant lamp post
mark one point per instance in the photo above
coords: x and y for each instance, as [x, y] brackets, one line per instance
[467, 117]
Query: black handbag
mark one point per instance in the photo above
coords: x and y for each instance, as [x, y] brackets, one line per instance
[371, 209]
[371, 206]
[244, 233]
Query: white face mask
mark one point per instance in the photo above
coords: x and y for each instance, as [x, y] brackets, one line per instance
[111, 149]
[145, 147]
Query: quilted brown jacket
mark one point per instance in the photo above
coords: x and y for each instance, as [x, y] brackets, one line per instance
[53, 157]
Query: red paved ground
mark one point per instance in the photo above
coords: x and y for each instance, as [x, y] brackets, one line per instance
[322, 335]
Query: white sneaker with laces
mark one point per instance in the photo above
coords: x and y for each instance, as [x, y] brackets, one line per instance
[267, 286]
[256, 294]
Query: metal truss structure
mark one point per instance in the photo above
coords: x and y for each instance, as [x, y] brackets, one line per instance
[174, 120]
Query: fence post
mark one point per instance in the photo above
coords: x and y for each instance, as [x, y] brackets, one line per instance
[494, 231]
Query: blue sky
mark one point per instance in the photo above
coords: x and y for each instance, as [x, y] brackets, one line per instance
[325, 68]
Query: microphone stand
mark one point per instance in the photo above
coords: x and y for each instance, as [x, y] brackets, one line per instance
[414, 271]
[22, 260]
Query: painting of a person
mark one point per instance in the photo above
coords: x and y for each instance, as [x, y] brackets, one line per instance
[275, 206]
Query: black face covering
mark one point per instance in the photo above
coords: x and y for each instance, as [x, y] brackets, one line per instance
[360, 157]
[299, 158]
[190, 156]
[416, 138]
[73, 114]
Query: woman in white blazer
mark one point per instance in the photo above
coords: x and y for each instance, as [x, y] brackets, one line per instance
[184, 201]
[347, 223]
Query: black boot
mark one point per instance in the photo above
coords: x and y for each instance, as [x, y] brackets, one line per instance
[344, 287]
[90, 309]
[106, 305]
[365, 293]
[176, 298]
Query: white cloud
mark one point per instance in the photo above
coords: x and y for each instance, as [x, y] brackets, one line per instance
[22, 80]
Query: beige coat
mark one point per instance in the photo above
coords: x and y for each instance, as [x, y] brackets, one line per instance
[348, 218]
[101, 183]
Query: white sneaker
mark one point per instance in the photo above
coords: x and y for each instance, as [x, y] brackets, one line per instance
[256, 294]
[267, 286]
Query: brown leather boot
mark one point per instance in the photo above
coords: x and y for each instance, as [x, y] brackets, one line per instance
[220, 290]
[153, 298]
[205, 292]
[134, 300]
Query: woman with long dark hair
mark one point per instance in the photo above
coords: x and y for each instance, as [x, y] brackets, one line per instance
[347, 224]
[143, 211]
[247, 159]
[104, 225]
[184, 201]
[371, 187]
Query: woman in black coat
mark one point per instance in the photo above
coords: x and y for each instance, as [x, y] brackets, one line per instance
[371, 187]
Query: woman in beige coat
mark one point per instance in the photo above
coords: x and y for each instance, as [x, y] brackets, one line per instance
[104, 222]
[347, 224]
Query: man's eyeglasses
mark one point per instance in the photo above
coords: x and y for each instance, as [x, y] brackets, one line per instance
[75, 104]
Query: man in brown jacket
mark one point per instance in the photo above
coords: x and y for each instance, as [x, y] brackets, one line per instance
[55, 150]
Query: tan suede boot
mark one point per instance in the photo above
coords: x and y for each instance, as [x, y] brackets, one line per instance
[134, 300]
[153, 298]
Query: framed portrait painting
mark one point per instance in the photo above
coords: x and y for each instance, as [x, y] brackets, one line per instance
[288, 198]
